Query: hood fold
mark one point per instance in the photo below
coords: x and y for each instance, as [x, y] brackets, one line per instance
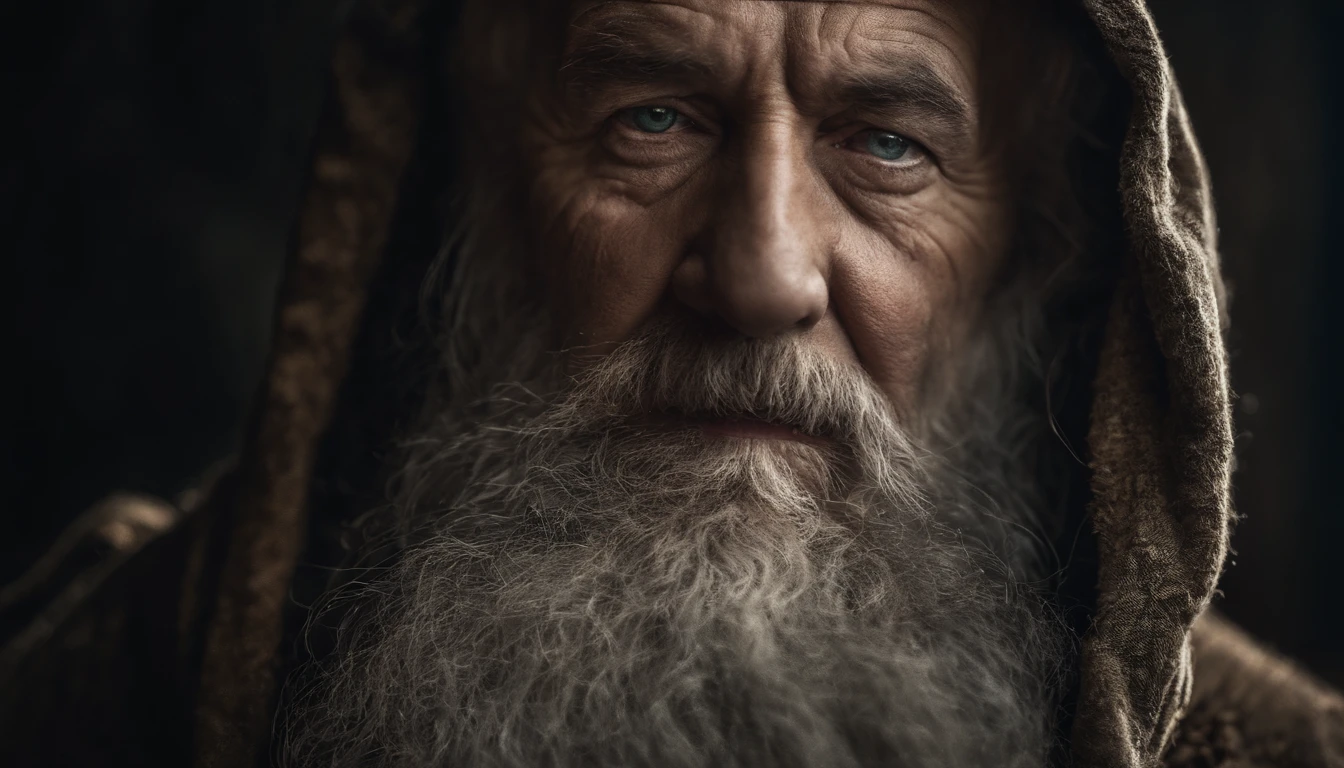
[363, 145]
[1161, 428]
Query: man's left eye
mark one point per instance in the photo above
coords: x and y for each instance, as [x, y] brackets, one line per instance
[884, 145]
[652, 119]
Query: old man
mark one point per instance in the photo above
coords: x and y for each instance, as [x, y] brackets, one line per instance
[783, 354]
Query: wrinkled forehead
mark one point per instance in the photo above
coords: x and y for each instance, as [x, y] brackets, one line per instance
[807, 40]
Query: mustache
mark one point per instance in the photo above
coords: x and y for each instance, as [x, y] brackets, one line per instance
[673, 368]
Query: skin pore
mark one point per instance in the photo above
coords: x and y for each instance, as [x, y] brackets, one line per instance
[778, 168]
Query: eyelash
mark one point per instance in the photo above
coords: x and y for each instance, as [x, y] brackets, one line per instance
[915, 150]
[910, 157]
[626, 117]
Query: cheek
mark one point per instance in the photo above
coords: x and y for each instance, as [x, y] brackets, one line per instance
[908, 280]
[607, 258]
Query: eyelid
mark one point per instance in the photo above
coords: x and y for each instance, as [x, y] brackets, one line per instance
[684, 121]
[909, 127]
[698, 112]
[920, 151]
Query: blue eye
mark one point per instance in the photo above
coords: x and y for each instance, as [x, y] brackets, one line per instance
[885, 145]
[654, 119]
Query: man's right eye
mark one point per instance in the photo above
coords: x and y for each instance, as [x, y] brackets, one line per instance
[652, 119]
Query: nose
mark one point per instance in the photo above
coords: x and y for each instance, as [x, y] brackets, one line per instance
[762, 266]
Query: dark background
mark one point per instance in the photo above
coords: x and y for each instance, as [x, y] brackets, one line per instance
[156, 156]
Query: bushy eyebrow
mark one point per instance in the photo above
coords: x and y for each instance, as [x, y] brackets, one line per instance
[914, 89]
[602, 55]
[622, 52]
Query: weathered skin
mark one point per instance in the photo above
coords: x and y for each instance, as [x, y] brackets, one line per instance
[761, 206]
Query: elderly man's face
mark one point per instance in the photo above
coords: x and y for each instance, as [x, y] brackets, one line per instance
[580, 586]
[809, 168]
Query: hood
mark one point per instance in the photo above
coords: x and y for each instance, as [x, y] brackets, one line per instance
[1159, 440]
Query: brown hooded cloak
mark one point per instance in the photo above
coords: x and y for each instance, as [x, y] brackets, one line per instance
[152, 636]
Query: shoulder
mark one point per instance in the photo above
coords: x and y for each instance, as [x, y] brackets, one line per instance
[95, 639]
[1252, 708]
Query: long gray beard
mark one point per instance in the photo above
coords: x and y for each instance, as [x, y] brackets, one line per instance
[576, 585]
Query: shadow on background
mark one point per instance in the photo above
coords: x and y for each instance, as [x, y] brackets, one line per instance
[159, 160]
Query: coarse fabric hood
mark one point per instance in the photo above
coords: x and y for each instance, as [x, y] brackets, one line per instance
[196, 604]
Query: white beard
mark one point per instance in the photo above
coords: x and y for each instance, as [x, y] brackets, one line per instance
[577, 586]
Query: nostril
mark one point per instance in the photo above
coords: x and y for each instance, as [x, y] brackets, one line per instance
[690, 285]
[793, 301]
[763, 308]
[815, 297]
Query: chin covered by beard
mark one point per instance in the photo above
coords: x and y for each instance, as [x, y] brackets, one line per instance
[577, 583]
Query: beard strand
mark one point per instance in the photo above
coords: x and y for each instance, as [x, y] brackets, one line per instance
[576, 584]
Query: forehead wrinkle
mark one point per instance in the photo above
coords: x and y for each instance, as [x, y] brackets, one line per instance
[720, 49]
[623, 41]
[841, 56]
[888, 54]
[623, 11]
[927, 31]
[627, 11]
[609, 56]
